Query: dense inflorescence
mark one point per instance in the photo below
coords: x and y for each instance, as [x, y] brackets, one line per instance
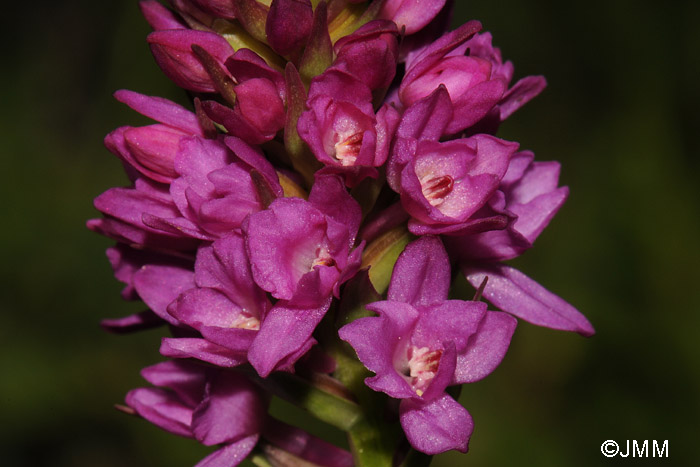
[299, 226]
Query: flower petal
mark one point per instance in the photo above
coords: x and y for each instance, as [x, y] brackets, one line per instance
[422, 273]
[514, 292]
[437, 426]
[231, 454]
[162, 408]
[233, 408]
[201, 349]
[486, 348]
[285, 329]
[159, 286]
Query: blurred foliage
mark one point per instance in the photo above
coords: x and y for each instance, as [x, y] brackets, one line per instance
[619, 113]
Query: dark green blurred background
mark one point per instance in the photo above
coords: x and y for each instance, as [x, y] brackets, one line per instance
[620, 113]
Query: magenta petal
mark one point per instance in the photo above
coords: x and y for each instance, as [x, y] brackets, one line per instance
[142, 320]
[201, 349]
[158, 16]
[486, 348]
[520, 94]
[514, 292]
[231, 454]
[158, 286]
[427, 118]
[414, 15]
[284, 330]
[125, 261]
[198, 307]
[422, 273]
[449, 44]
[329, 195]
[224, 267]
[452, 320]
[129, 205]
[186, 379]
[436, 426]
[161, 110]
[534, 216]
[216, 317]
[495, 245]
[259, 103]
[162, 408]
[235, 122]
[475, 104]
[369, 54]
[255, 158]
[151, 150]
[232, 408]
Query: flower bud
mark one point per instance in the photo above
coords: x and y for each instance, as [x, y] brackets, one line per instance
[172, 49]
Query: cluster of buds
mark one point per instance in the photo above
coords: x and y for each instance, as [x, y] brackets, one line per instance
[299, 227]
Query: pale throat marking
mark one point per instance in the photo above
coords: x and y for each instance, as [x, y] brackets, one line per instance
[436, 188]
[423, 365]
[348, 148]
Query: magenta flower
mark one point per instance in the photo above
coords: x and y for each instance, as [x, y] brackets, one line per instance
[472, 72]
[226, 307]
[216, 408]
[342, 129]
[225, 409]
[421, 342]
[301, 252]
[445, 184]
[215, 190]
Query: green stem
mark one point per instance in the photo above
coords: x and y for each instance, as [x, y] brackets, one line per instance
[327, 407]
